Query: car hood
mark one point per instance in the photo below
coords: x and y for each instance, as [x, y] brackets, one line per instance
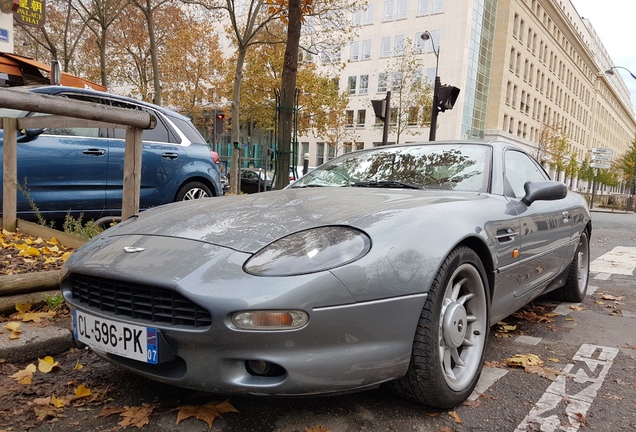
[246, 223]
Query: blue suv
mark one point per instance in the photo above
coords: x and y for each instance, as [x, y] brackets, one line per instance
[80, 170]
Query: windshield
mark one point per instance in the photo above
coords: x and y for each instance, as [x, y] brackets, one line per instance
[464, 167]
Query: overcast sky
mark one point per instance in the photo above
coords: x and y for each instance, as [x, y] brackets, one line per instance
[614, 22]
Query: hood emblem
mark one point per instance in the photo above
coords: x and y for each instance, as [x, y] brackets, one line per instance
[132, 249]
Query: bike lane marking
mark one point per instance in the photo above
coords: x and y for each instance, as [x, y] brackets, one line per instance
[564, 404]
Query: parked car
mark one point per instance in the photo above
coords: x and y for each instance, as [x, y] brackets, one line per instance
[386, 265]
[255, 180]
[81, 170]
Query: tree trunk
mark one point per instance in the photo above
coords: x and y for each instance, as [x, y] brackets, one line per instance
[153, 53]
[235, 171]
[288, 95]
[7, 304]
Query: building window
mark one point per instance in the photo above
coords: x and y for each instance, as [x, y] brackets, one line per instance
[362, 118]
[396, 81]
[347, 147]
[359, 146]
[320, 153]
[422, 7]
[349, 118]
[356, 19]
[438, 6]
[366, 49]
[364, 84]
[382, 82]
[401, 9]
[354, 51]
[332, 151]
[388, 10]
[413, 115]
[399, 45]
[368, 14]
[385, 47]
[351, 84]
[419, 43]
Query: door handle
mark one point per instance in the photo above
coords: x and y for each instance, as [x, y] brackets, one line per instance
[506, 235]
[94, 152]
[170, 155]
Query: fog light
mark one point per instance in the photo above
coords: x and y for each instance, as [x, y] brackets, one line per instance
[264, 368]
[270, 320]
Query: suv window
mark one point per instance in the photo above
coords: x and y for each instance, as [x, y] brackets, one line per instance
[188, 129]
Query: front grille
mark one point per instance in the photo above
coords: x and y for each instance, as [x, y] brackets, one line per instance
[136, 301]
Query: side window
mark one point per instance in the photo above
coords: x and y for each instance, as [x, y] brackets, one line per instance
[161, 133]
[88, 132]
[519, 168]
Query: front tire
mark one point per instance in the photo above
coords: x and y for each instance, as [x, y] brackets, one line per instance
[451, 335]
[194, 190]
[575, 287]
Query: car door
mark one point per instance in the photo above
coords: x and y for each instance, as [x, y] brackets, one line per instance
[163, 158]
[62, 170]
[545, 227]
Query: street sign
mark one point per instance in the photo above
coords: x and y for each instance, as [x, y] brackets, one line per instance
[600, 165]
[599, 150]
[599, 158]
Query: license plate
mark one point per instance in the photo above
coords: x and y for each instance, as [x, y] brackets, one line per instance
[123, 339]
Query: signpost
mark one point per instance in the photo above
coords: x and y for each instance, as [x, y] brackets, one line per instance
[601, 159]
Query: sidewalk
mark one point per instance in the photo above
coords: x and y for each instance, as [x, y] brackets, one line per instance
[35, 341]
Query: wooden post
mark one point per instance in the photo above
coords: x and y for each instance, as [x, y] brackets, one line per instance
[132, 172]
[10, 174]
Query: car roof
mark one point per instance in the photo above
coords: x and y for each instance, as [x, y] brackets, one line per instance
[56, 90]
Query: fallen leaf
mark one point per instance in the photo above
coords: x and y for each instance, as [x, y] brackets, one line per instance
[317, 428]
[23, 307]
[455, 417]
[14, 328]
[25, 376]
[78, 366]
[110, 410]
[471, 403]
[206, 413]
[523, 360]
[57, 403]
[47, 364]
[544, 372]
[43, 413]
[569, 319]
[136, 416]
[577, 308]
[82, 391]
[630, 347]
[611, 297]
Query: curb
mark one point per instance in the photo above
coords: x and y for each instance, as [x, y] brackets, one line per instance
[35, 342]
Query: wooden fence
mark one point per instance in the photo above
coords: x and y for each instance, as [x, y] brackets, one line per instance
[70, 113]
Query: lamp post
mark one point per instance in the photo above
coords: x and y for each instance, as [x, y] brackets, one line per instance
[431, 135]
[630, 199]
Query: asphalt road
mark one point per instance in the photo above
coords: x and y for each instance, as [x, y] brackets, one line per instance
[593, 345]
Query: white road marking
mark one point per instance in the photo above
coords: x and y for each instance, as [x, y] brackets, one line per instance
[620, 260]
[564, 404]
[528, 340]
[603, 276]
[488, 377]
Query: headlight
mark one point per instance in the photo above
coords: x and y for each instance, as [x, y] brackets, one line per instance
[309, 251]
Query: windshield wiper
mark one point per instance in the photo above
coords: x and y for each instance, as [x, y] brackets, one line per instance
[387, 184]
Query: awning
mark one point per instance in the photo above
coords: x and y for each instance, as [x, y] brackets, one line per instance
[30, 70]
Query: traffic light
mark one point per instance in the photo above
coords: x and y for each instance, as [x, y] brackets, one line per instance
[219, 123]
[446, 97]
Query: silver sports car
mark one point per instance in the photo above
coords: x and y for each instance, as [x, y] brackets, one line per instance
[385, 265]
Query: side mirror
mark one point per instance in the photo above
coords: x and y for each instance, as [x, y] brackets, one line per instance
[26, 135]
[544, 190]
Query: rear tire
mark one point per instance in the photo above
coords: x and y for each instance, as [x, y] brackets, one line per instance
[194, 190]
[575, 287]
[451, 335]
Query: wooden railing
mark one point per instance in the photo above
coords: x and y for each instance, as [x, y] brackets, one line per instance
[70, 113]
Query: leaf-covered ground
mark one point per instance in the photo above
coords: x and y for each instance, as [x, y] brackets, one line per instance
[22, 253]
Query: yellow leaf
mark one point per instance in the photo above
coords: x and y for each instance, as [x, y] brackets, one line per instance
[455, 417]
[53, 241]
[569, 319]
[523, 360]
[57, 403]
[7, 233]
[78, 366]
[82, 391]
[28, 241]
[25, 376]
[577, 308]
[30, 251]
[23, 307]
[47, 364]
[65, 256]
[13, 326]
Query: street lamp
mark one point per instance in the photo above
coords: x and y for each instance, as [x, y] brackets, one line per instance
[444, 96]
[630, 200]
[431, 135]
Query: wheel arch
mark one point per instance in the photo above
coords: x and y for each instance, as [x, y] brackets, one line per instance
[194, 179]
[483, 252]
